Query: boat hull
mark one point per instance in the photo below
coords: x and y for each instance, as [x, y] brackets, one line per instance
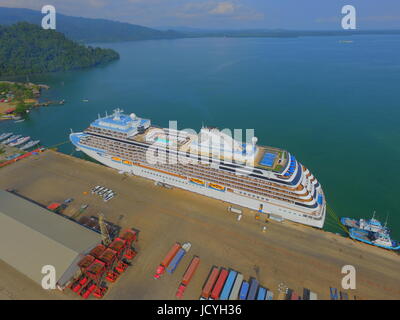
[272, 206]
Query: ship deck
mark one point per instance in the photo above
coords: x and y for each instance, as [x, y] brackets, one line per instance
[268, 158]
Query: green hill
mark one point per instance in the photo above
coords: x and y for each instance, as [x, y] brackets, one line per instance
[27, 49]
[87, 29]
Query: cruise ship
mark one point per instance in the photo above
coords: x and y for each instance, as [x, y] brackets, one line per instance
[212, 163]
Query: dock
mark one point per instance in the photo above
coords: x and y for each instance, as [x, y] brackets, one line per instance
[301, 257]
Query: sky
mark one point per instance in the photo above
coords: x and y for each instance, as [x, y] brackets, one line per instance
[229, 14]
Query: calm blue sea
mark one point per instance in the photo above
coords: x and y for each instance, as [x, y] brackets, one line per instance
[334, 105]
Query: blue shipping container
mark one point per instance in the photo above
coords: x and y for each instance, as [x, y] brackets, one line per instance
[253, 289]
[175, 261]
[261, 293]
[243, 290]
[228, 285]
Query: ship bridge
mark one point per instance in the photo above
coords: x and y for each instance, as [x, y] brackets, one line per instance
[127, 125]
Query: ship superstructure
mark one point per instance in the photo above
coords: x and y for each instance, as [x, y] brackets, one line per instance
[211, 163]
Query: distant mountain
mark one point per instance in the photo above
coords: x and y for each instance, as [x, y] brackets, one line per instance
[87, 29]
[27, 49]
[282, 33]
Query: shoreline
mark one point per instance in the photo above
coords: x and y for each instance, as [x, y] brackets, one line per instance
[24, 94]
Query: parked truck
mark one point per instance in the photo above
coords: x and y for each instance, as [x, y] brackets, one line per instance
[167, 260]
[236, 287]
[215, 293]
[228, 285]
[178, 257]
[205, 294]
[187, 277]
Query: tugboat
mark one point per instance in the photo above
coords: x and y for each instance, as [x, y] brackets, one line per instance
[371, 232]
[372, 224]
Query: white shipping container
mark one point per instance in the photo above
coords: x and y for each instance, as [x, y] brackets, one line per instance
[236, 287]
[269, 295]
[313, 296]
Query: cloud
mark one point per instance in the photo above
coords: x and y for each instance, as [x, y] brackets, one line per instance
[223, 8]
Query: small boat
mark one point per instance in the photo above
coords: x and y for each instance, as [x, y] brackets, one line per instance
[85, 100]
[372, 224]
[5, 135]
[371, 232]
[17, 121]
[13, 156]
[19, 141]
[377, 239]
[12, 138]
[30, 144]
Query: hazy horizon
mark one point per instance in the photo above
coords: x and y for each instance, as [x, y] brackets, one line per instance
[310, 15]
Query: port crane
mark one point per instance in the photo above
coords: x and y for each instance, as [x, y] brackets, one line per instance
[105, 237]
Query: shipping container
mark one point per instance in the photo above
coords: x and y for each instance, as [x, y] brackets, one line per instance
[210, 283]
[236, 287]
[190, 271]
[243, 290]
[334, 293]
[175, 261]
[228, 285]
[306, 294]
[219, 284]
[253, 289]
[313, 296]
[288, 294]
[270, 295]
[344, 296]
[170, 255]
[262, 292]
[294, 296]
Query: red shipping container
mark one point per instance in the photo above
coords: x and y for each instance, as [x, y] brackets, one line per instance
[219, 284]
[190, 271]
[170, 255]
[210, 283]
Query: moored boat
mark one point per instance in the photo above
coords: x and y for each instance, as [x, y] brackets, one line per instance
[12, 139]
[382, 240]
[5, 135]
[30, 144]
[19, 141]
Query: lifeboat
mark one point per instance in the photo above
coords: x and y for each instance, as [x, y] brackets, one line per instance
[216, 187]
[197, 181]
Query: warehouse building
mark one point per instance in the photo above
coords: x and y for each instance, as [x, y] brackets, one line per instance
[32, 237]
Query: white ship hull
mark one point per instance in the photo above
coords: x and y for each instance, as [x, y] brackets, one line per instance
[272, 206]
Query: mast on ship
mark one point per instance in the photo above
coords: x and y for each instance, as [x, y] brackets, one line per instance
[387, 216]
[117, 114]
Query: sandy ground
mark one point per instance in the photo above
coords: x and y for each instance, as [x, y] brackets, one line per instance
[5, 106]
[296, 255]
